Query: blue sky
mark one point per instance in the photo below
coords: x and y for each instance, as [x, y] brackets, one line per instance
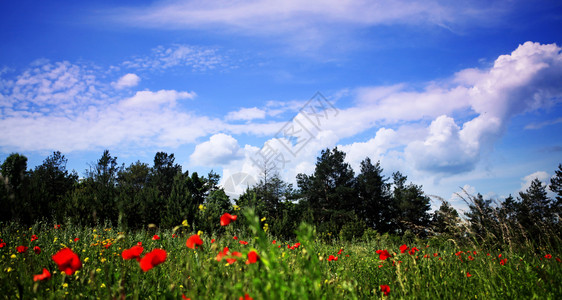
[453, 95]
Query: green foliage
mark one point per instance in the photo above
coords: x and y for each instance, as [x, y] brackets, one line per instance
[329, 192]
[337, 203]
[411, 206]
[352, 230]
[439, 270]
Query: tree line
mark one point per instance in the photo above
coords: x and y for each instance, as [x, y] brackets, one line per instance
[338, 202]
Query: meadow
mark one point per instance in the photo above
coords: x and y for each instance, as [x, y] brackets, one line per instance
[251, 264]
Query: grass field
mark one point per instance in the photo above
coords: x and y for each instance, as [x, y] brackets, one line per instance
[305, 268]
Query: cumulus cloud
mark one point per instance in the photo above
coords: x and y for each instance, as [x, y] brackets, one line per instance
[128, 80]
[149, 99]
[246, 114]
[443, 151]
[220, 149]
[540, 175]
[375, 148]
[520, 82]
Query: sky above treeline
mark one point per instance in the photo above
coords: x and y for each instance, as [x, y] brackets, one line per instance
[455, 95]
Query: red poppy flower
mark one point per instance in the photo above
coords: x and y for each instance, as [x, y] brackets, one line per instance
[133, 252]
[43, 276]
[246, 297]
[459, 253]
[296, 245]
[253, 257]
[67, 261]
[404, 248]
[243, 242]
[34, 238]
[500, 255]
[235, 237]
[548, 256]
[385, 289]
[212, 241]
[339, 252]
[152, 259]
[232, 258]
[223, 253]
[184, 297]
[503, 261]
[470, 257]
[139, 244]
[21, 249]
[36, 249]
[57, 226]
[76, 239]
[107, 245]
[331, 257]
[155, 237]
[468, 274]
[558, 259]
[174, 235]
[274, 242]
[2, 245]
[383, 254]
[226, 218]
[435, 254]
[413, 251]
[194, 241]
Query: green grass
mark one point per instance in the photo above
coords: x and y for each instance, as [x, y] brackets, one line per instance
[282, 273]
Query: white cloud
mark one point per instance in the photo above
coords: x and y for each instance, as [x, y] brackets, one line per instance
[63, 106]
[246, 114]
[374, 148]
[193, 57]
[523, 81]
[540, 175]
[150, 100]
[128, 80]
[265, 16]
[220, 149]
[543, 124]
[443, 151]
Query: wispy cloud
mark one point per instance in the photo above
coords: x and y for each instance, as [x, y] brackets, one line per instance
[193, 57]
[543, 124]
[308, 25]
[266, 15]
[246, 114]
